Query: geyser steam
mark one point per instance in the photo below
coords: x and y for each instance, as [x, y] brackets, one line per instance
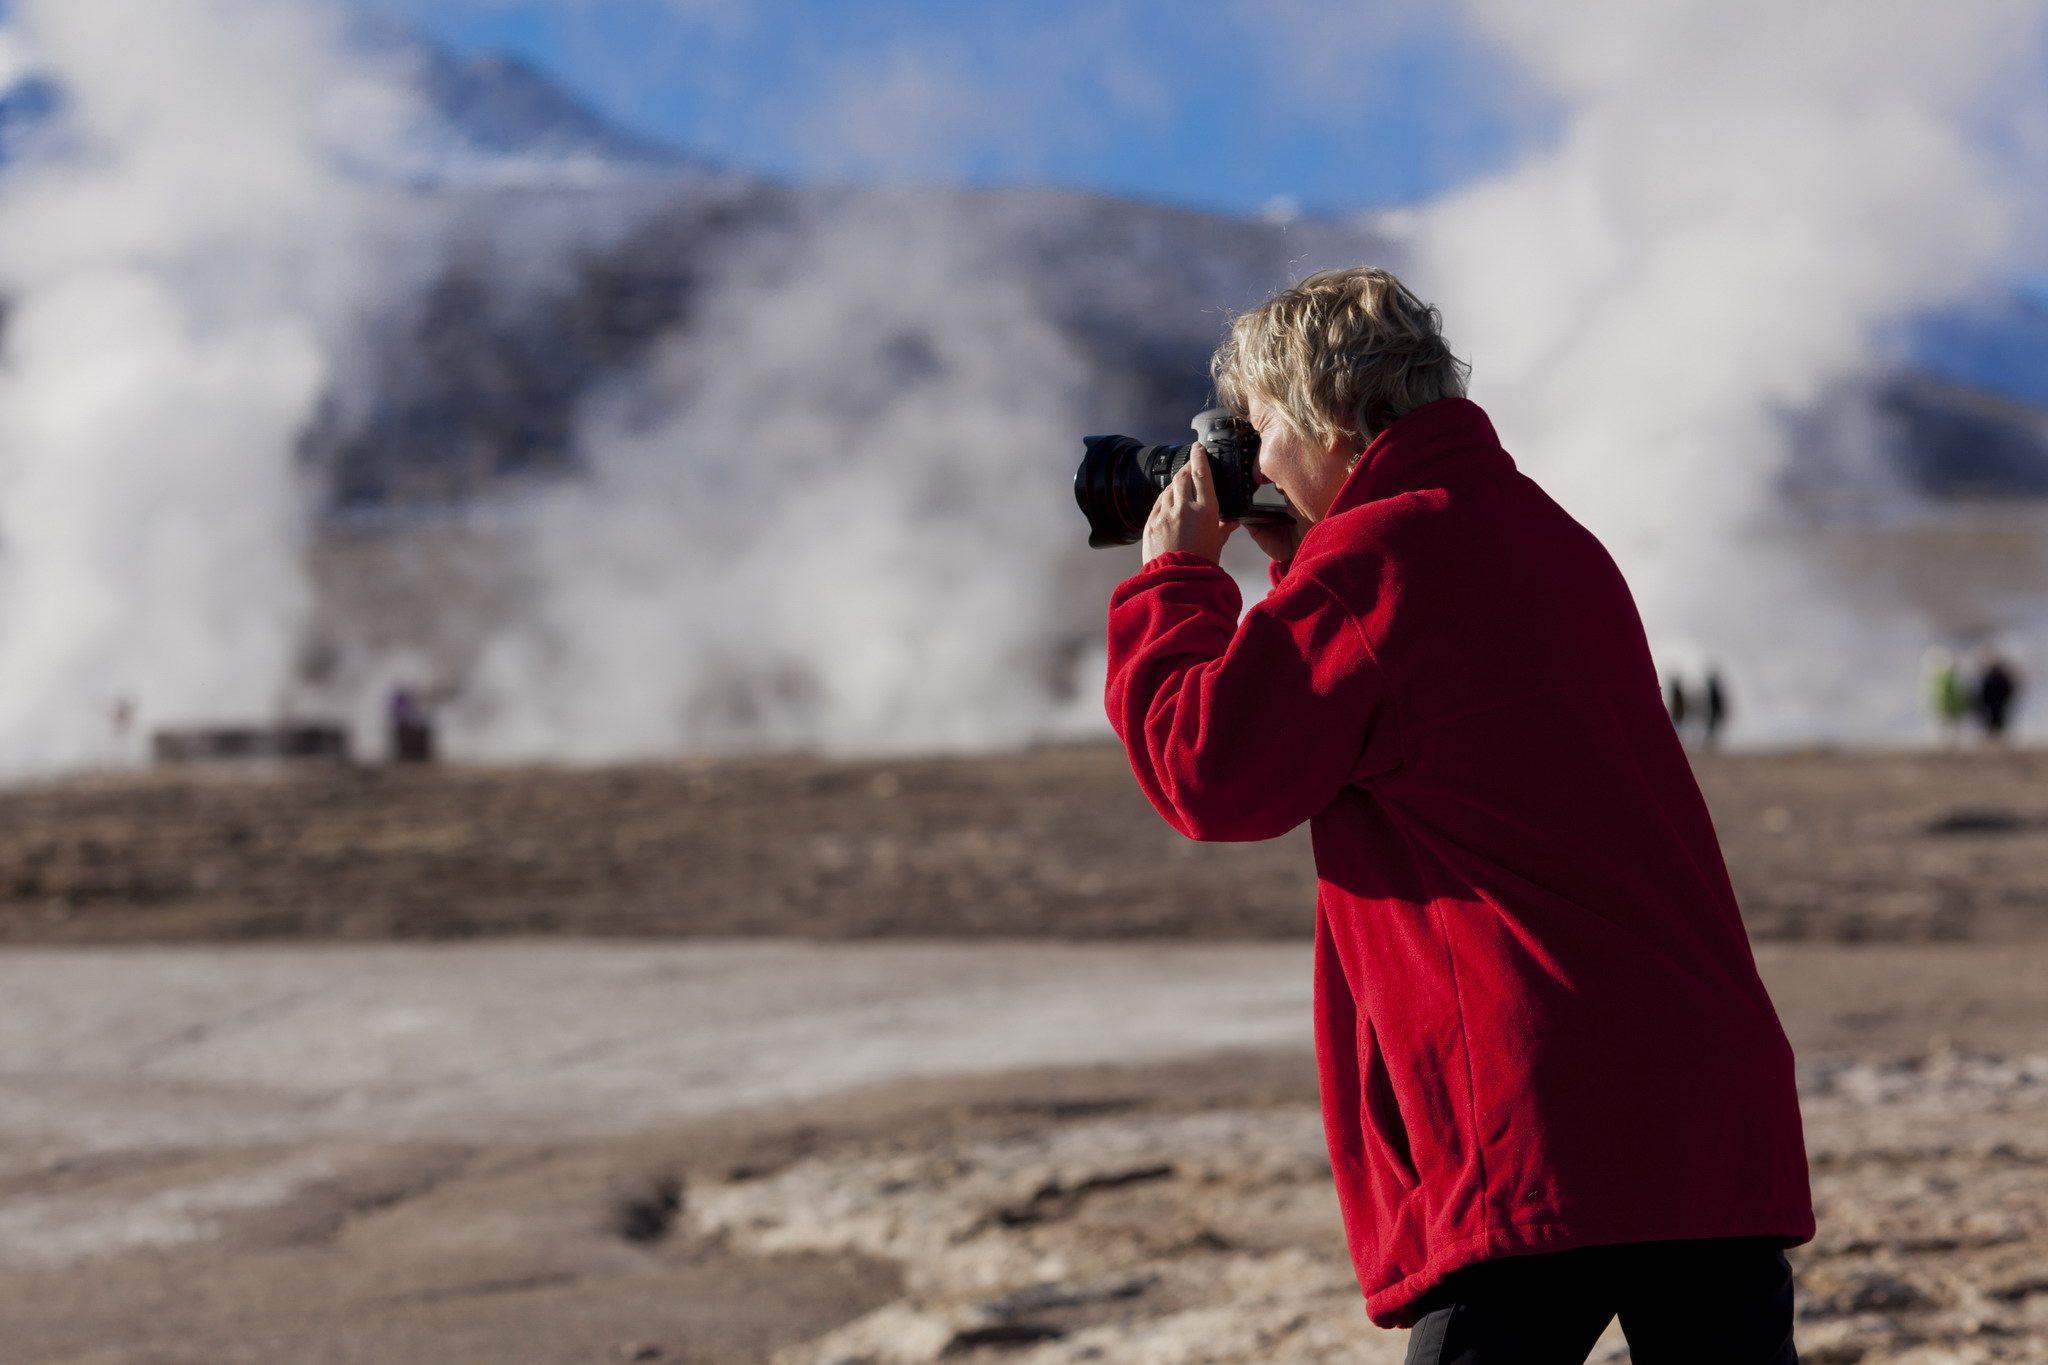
[170, 273]
[1742, 196]
[822, 518]
[831, 511]
[1739, 199]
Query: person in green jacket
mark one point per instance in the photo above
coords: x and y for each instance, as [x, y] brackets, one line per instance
[1946, 695]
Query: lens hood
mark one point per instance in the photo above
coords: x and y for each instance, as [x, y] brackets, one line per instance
[1120, 477]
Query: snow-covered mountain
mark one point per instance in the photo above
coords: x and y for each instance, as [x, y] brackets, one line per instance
[482, 376]
[492, 120]
[411, 112]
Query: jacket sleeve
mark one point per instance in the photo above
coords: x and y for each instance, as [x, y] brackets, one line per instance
[1241, 730]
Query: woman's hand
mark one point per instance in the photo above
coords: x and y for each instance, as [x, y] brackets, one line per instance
[1278, 541]
[1185, 517]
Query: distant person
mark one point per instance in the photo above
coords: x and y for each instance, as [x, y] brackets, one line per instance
[1553, 1085]
[1716, 712]
[412, 729]
[1676, 702]
[1998, 688]
[1947, 697]
[120, 728]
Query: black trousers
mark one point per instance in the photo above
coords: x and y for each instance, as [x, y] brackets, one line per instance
[1725, 1301]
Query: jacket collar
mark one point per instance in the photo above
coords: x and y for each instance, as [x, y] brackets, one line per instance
[1423, 449]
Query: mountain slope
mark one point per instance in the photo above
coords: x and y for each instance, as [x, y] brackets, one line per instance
[483, 379]
[471, 121]
[492, 119]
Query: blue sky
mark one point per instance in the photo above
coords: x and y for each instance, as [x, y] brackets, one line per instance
[1224, 104]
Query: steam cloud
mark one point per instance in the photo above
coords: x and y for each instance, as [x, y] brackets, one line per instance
[176, 274]
[825, 516]
[1742, 198]
[822, 519]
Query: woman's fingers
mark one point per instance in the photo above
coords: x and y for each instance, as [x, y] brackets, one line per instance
[1170, 498]
[1200, 482]
[1185, 517]
[1168, 505]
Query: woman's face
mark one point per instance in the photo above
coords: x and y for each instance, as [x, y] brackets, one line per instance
[1307, 474]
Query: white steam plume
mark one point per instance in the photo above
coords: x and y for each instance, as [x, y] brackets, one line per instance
[821, 519]
[172, 272]
[1744, 193]
[1737, 201]
[828, 513]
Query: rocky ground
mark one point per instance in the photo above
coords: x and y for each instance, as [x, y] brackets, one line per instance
[1837, 846]
[1174, 1214]
[1053, 842]
[1908, 847]
[1175, 1211]
[1209, 1237]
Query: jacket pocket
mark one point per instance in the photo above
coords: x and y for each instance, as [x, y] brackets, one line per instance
[1380, 1109]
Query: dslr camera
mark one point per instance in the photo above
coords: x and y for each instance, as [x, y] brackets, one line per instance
[1120, 478]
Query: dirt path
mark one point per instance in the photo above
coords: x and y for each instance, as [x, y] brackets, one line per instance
[525, 1153]
[146, 1047]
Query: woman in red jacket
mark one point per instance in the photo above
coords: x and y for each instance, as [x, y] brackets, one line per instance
[1553, 1085]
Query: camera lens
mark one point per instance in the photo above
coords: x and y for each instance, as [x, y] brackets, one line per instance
[1120, 478]
[1116, 485]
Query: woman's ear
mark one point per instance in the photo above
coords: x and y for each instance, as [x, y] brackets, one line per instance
[1347, 449]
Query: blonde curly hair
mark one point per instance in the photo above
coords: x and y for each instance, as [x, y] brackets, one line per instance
[1341, 354]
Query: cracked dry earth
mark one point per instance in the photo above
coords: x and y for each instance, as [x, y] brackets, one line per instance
[1211, 1237]
[1167, 1215]
[388, 1254]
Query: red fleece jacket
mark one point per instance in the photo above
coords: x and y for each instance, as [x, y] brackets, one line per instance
[1538, 1022]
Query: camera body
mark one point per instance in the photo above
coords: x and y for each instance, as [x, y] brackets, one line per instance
[1120, 478]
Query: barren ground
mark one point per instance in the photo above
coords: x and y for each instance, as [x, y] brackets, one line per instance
[555, 1153]
[1843, 847]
